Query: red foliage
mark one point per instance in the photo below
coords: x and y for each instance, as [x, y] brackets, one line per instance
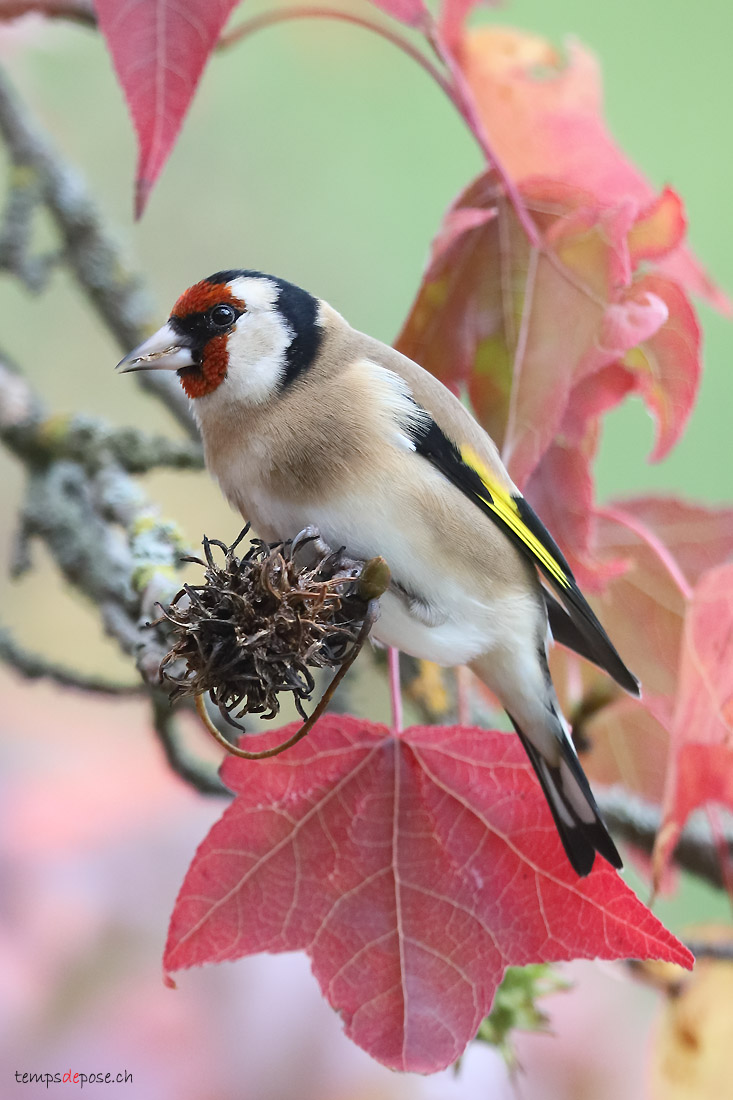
[544, 111]
[546, 341]
[701, 761]
[411, 12]
[413, 870]
[159, 49]
[671, 613]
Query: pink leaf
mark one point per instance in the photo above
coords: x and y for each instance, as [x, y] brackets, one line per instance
[159, 49]
[659, 229]
[644, 608]
[412, 870]
[698, 536]
[668, 545]
[666, 364]
[702, 729]
[411, 12]
[486, 317]
[543, 109]
[453, 14]
[630, 744]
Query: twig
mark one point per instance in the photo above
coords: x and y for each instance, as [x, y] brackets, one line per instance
[462, 96]
[309, 11]
[89, 250]
[453, 85]
[395, 689]
[37, 440]
[76, 11]
[35, 667]
[105, 536]
[637, 821]
[702, 950]
[199, 775]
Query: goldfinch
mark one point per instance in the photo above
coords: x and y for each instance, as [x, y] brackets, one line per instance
[306, 421]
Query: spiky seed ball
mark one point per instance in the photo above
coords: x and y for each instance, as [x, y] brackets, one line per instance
[259, 623]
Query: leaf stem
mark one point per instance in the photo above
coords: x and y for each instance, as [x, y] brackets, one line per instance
[395, 689]
[454, 85]
[462, 97]
[283, 15]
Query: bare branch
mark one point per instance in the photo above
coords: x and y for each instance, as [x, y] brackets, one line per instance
[637, 821]
[720, 951]
[89, 250]
[38, 439]
[103, 533]
[199, 775]
[35, 667]
[76, 11]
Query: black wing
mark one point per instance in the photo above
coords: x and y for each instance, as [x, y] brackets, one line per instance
[573, 622]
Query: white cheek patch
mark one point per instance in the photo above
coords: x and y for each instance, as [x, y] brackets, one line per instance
[257, 346]
[257, 350]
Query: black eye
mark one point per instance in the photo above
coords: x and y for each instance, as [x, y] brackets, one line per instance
[222, 316]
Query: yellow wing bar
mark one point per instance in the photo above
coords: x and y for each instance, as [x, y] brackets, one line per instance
[505, 506]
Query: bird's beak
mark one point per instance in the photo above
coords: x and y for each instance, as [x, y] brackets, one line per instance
[165, 350]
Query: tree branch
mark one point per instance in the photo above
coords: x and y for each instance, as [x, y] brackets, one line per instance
[638, 821]
[37, 439]
[199, 775]
[77, 11]
[89, 250]
[35, 667]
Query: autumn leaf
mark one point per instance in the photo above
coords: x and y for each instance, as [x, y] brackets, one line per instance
[528, 332]
[159, 49]
[665, 546]
[413, 871]
[543, 108]
[545, 339]
[452, 16]
[668, 545]
[701, 763]
[629, 744]
[412, 12]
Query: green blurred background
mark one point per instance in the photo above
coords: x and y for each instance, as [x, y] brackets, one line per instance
[319, 152]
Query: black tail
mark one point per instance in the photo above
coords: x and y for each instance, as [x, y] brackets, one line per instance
[573, 807]
[581, 632]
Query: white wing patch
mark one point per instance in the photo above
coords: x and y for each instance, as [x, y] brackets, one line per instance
[394, 398]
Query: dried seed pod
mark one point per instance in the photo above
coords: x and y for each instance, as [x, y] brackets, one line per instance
[259, 623]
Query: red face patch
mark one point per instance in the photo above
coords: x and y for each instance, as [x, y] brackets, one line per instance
[198, 381]
[204, 295]
[211, 371]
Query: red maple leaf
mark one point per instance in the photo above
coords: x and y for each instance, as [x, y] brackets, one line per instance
[667, 546]
[412, 12]
[547, 340]
[413, 870]
[159, 49]
[543, 108]
[701, 761]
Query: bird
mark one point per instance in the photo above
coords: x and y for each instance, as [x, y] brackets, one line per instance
[306, 421]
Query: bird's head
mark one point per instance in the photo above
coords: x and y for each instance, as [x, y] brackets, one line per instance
[241, 333]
